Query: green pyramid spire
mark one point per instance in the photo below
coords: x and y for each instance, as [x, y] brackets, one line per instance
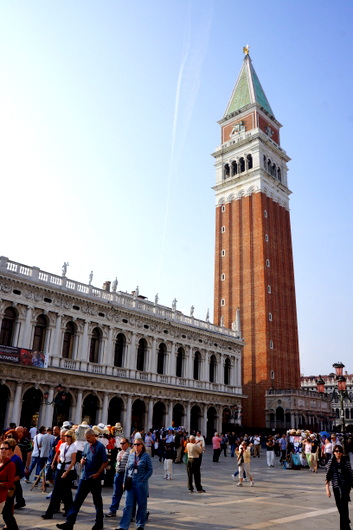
[247, 90]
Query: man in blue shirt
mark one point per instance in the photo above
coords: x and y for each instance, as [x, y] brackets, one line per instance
[94, 460]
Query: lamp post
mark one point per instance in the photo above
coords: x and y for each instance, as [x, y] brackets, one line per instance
[341, 393]
[60, 396]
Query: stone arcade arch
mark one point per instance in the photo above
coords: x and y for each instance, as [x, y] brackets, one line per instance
[115, 411]
[178, 415]
[138, 413]
[62, 408]
[90, 408]
[211, 422]
[32, 400]
[158, 419]
[195, 416]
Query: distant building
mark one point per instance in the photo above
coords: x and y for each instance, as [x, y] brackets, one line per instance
[71, 351]
[309, 383]
[254, 274]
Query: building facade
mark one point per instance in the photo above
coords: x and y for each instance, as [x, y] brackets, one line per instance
[73, 351]
[309, 383]
[254, 273]
[297, 409]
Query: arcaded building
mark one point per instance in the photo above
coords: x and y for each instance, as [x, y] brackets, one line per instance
[74, 351]
[254, 274]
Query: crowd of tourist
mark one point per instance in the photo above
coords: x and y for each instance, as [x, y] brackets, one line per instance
[85, 457]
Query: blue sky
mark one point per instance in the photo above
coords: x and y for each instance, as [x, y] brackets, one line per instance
[108, 118]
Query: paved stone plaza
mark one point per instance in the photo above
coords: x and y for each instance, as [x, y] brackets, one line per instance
[282, 499]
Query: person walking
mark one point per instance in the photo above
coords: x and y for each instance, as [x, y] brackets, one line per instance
[194, 450]
[339, 473]
[65, 474]
[118, 485]
[138, 470]
[94, 460]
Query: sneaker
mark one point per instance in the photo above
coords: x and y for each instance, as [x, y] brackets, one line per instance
[252, 483]
[48, 496]
[234, 477]
[239, 484]
[28, 481]
[110, 514]
[19, 505]
[201, 491]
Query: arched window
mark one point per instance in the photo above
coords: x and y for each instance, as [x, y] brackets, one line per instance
[226, 171]
[269, 165]
[141, 355]
[162, 350]
[227, 372]
[120, 345]
[7, 326]
[273, 170]
[249, 162]
[197, 362]
[180, 362]
[213, 364]
[234, 168]
[265, 161]
[279, 176]
[241, 165]
[40, 333]
[68, 342]
[94, 350]
[347, 413]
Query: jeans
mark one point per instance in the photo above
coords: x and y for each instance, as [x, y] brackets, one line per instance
[138, 494]
[85, 486]
[232, 450]
[38, 463]
[117, 492]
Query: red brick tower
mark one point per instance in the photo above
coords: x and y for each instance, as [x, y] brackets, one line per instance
[253, 255]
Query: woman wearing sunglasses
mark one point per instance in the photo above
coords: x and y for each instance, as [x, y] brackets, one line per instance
[65, 474]
[339, 472]
[137, 472]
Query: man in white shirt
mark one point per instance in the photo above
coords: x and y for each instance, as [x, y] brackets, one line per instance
[201, 441]
[256, 445]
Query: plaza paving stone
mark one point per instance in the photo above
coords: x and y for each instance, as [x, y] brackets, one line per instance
[280, 499]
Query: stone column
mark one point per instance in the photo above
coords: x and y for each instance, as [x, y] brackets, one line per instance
[54, 349]
[16, 412]
[172, 361]
[169, 418]
[127, 422]
[108, 358]
[78, 409]
[48, 411]
[187, 422]
[83, 354]
[189, 364]
[204, 421]
[152, 358]
[25, 334]
[150, 414]
[104, 417]
[131, 360]
[9, 412]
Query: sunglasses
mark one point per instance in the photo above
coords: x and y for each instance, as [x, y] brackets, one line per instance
[137, 444]
[122, 443]
[338, 451]
[5, 449]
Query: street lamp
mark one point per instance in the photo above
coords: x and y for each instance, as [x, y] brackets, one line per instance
[342, 394]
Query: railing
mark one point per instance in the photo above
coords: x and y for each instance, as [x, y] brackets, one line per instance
[77, 366]
[119, 299]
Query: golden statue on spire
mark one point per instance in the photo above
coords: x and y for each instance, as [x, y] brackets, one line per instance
[246, 49]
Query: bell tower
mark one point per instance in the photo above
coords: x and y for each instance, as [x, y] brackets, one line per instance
[254, 273]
